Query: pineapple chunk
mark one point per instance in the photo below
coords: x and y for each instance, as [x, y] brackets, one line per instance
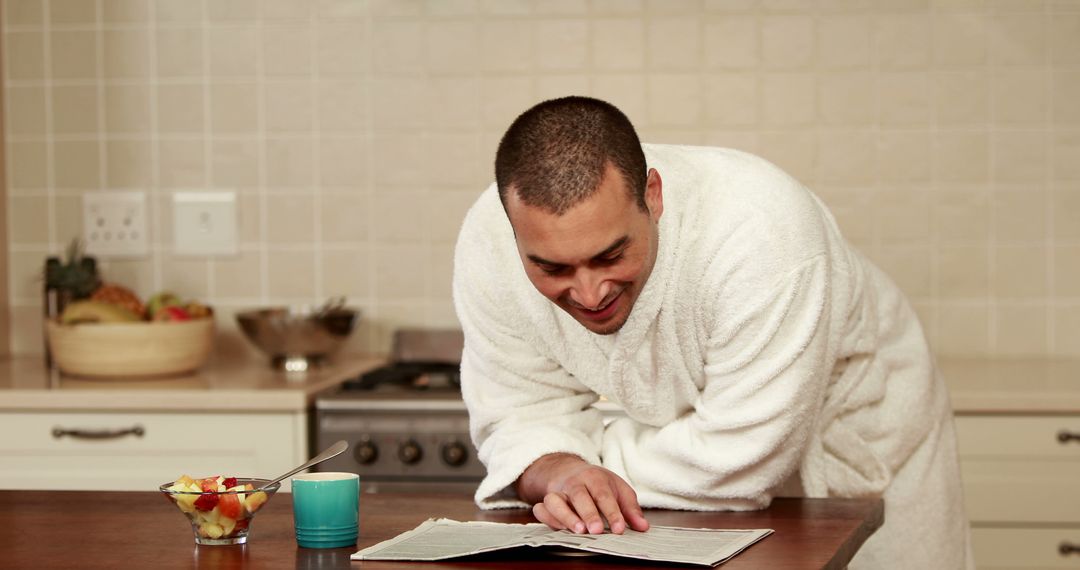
[254, 501]
[214, 530]
[211, 517]
[227, 525]
[184, 501]
[184, 504]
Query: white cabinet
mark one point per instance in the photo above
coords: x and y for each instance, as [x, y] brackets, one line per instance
[140, 450]
[1022, 488]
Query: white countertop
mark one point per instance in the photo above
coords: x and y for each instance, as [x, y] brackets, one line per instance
[976, 385]
[222, 385]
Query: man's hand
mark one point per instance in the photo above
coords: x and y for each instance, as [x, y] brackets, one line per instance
[569, 493]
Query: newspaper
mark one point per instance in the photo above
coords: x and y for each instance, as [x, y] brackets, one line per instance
[439, 539]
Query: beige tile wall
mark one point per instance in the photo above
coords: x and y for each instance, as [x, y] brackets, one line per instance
[945, 135]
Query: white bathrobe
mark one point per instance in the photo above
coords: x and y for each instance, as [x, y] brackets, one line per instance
[763, 351]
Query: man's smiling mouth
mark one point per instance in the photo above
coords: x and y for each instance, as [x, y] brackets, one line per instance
[601, 313]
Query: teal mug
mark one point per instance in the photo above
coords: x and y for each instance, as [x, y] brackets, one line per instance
[326, 509]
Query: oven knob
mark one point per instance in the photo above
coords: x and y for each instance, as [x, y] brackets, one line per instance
[366, 452]
[455, 454]
[410, 452]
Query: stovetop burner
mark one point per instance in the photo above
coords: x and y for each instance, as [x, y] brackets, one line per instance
[420, 360]
[421, 376]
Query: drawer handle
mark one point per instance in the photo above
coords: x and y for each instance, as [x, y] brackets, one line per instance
[1066, 548]
[1064, 436]
[59, 432]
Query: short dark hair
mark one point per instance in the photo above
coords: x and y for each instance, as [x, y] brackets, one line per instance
[555, 153]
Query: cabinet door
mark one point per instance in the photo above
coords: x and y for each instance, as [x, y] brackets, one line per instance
[139, 451]
[1026, 548]
[1017, 469]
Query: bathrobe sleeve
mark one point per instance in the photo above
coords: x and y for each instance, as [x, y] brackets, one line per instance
[767, 365]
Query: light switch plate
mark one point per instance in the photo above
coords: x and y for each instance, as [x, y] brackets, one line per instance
[204, 223]
[114, 223]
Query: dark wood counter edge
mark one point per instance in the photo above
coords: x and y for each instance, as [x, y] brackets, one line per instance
[845, 524]
[858, 537]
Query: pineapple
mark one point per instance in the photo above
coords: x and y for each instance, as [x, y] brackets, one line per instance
[120, 296]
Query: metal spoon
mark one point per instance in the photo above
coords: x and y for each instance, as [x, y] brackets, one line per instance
[332, 451]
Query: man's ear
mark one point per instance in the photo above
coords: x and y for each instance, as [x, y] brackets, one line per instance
[654, 194]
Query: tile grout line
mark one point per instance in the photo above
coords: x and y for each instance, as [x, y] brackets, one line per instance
[933, 211]
[99, 55]
[312, 191]
[50, 151]
[1049, 195]
[993, 243]
[156, 245]
[316, 190]
[262, 162]
[208, 133]
[369, 190]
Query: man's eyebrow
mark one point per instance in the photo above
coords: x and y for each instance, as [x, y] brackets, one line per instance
[613, 247]
[606, 252]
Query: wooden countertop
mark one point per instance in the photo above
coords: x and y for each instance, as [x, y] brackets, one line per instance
[222, 385]
[107, 530]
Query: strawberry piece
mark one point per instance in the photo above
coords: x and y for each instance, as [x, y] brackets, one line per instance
[230, 482]
[240, 525]
[207, 502]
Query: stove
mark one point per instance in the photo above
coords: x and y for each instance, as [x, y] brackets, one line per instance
[406, 424]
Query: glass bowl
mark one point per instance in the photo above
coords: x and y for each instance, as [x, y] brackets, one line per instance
[219, 517]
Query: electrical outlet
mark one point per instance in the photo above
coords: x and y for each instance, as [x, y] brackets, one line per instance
[204, 223]
[114, 223]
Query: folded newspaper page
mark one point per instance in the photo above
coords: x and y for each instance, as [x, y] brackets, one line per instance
[439, 539]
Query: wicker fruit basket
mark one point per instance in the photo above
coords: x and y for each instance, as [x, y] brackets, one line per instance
[119, 350]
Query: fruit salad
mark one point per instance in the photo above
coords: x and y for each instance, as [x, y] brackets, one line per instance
[219, 507]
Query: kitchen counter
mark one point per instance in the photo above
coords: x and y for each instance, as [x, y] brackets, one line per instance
[107, 530]
[976, 385]
[1012, 385]
[222, 385]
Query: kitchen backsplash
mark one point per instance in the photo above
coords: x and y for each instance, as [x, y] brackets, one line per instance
[944, 134]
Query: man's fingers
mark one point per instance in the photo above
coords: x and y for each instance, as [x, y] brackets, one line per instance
[587, 496]
[557, 507]
[630, 508]
[604, 495]
[615, 521]
[542, 514]
[585, 505]
[607, 500]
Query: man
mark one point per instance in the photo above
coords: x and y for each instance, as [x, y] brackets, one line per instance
[712, 298]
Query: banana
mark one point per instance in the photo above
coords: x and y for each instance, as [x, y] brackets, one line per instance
[96, 312]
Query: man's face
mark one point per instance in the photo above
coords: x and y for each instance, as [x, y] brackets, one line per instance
[593, 260]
